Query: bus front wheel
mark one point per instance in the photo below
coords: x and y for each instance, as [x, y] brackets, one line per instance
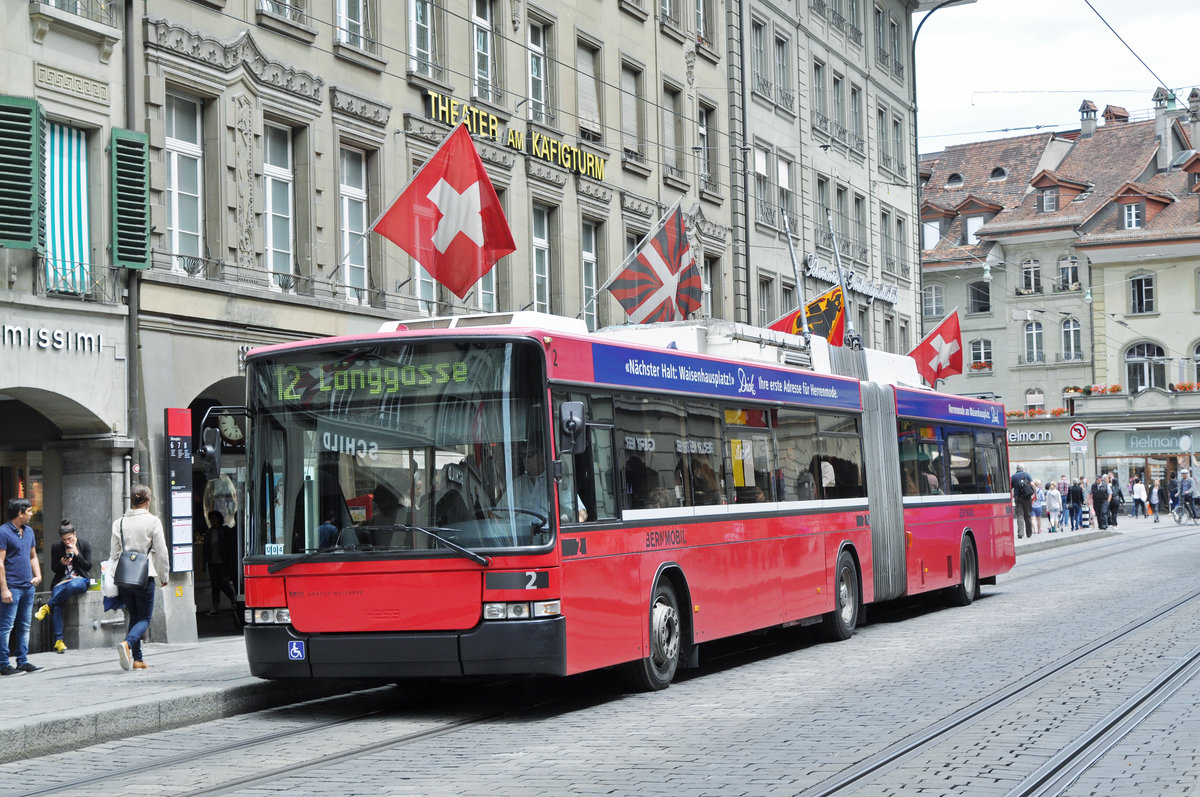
[657, 670]
[839, 624]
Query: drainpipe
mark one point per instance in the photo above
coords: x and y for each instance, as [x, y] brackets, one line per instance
[745, 148]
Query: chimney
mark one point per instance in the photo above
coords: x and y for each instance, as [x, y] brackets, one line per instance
[1164, 103]
[1087, 119]
[1194, 117]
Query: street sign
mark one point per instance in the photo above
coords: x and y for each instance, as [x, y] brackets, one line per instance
[1078, 432]
[1079, 447]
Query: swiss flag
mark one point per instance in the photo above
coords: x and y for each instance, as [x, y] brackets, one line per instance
[449, 218]
[940, 353]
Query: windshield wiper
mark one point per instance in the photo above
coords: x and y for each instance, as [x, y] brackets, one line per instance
[477, 558]
[298, 558]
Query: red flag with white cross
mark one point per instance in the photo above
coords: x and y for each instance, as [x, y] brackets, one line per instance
[449, 217]
[940, 353]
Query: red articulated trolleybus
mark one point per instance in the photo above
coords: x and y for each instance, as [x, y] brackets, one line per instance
[512, 494]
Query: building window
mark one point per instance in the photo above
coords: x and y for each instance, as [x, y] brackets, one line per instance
[979, 297]
[67, 238]
[672, 132]
[1145, 366]
[704, 22]
[588, 84]
[669, 13]
[818, 92]
[972, 229]
[837, 92]
[901, 247]
[999, 173]
[352, 190]
[782, 72]
[426, 290]
[1196, 363]
[279, 209]
[885, 151]
[487, 291]
[1068, 273]
[1048, 199]
[539, 89]
[787, 299]
[1035, 351]
[708, 273]
[424, 52]
[355, 24]
[841, 216]
[981, 355]
[484, 83]
[758, 49]
[766, 307]
[881, 52]
[894, 46]
[955, 180]
[898, 141]
[1133, 212]
[705, 155]
[762, 187]
[931, 234]
[632, 123]
[1072, 340]
[860, 228]
[889, 334]
[588, 260]
[856, 118]
[1035, 399]
[1141, 294]
[932, 305]
[184, 194]
[1031, 277]
[541, 259]
[785, 195]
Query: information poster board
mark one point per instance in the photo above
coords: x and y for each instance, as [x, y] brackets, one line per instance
[179, 476]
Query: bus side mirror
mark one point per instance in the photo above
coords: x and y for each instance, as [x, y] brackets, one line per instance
[209, 453]
[572, 420]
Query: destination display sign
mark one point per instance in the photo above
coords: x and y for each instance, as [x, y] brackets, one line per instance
[654, 370]
[952, 409]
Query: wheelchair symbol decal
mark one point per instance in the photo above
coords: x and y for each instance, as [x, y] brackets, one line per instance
[296, 650]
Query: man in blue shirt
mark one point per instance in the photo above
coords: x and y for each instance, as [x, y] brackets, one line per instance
[20, 573]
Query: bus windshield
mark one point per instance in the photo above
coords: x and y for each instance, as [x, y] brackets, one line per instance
[371, 447]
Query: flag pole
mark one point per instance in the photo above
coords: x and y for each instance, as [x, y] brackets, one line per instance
[787, 229]
[632, 254]
[849, 334]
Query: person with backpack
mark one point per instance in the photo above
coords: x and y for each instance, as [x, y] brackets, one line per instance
[1022, 492]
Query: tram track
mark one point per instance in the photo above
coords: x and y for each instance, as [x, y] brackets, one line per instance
[1073, 758]
[1101, 551]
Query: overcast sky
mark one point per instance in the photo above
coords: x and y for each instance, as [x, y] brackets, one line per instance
[999, 65]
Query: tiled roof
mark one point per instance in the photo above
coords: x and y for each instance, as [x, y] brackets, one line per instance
[1178, 220]
[1114, 155]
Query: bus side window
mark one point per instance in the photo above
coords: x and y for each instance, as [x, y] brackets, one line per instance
[598, 475]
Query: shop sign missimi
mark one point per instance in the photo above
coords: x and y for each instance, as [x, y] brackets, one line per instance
[487, 125]
[47, 339]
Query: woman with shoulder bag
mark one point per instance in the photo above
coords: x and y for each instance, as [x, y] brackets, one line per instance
[141, 535]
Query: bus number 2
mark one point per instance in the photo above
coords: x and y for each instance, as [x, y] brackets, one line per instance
[532, 583]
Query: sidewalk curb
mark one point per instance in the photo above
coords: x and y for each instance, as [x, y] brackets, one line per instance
[118, 718]
[1060, 538]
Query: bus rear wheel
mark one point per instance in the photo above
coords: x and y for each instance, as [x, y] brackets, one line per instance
[657, 670]
[968, 585]
[839, 624]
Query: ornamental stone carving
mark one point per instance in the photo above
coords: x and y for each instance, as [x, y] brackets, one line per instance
[632, 203]
[374, 113]
[242, 52]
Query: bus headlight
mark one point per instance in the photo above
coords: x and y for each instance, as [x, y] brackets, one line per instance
[268, 616]
[521, 611]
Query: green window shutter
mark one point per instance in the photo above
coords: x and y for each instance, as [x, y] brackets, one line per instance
[130, 159]
[22, 164]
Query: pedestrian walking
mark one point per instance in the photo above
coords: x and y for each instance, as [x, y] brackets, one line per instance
[1054, 505]
[71, 561]
[1099, 496]
[1075, 501]
[138, 530]
[20, 573]
[1022, 493]
[220, 557]
[1139, 498]
[1038, 506]
[1114, 503]
[1156, 495]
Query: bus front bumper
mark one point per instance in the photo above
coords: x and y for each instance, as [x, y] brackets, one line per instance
[530, 647]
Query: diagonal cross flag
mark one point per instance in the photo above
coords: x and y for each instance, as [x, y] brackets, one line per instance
[661, 283]
[449, 217]
[940, 353]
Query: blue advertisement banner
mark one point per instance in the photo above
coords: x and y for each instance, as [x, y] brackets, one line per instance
[660, 370]
[952, 409]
